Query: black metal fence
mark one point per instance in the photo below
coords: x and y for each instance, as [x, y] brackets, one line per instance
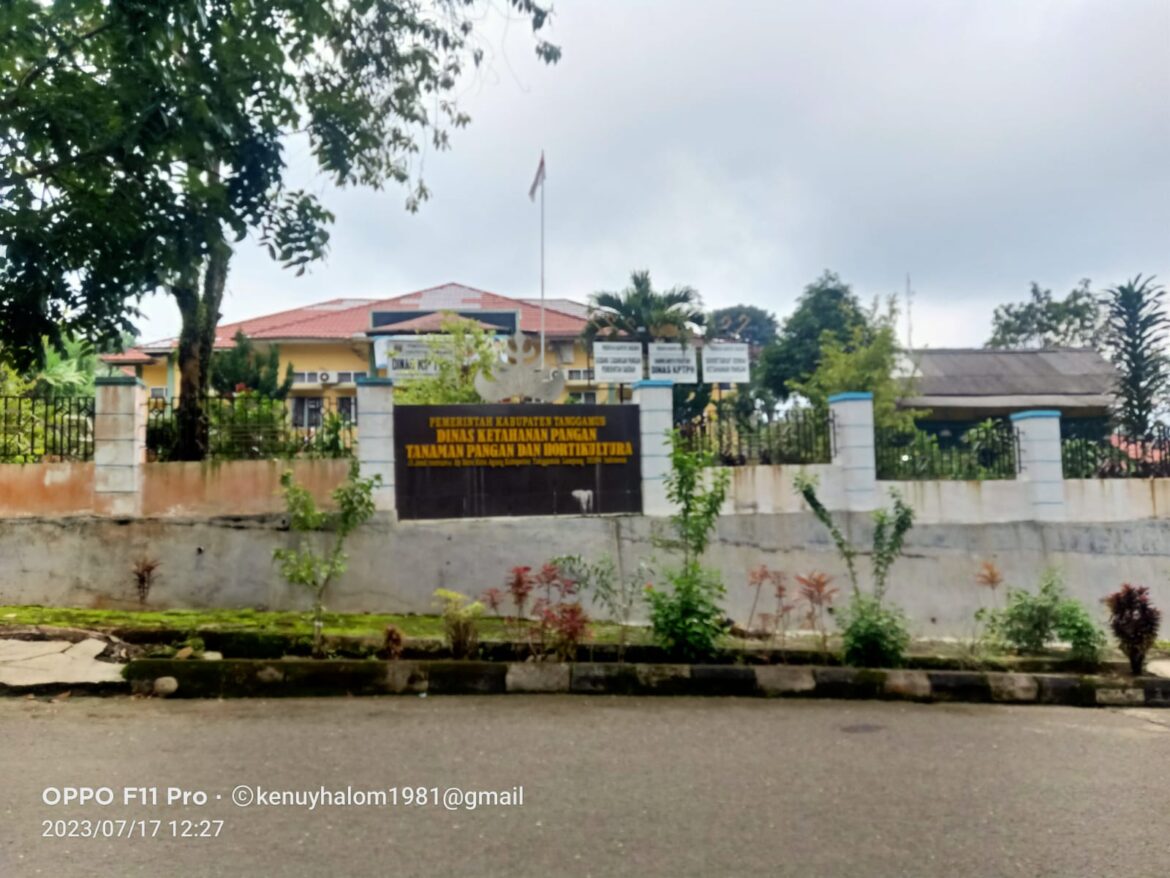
[798, 436]
[51, 428]
[1105, 453]
[986, 451]
[249, 427]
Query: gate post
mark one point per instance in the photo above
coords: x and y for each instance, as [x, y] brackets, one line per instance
[119, 445]
[655, 401]
[1040, 463]
[375, 409]
[853, 448]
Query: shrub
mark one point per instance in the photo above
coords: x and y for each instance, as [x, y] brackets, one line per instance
[393, 643]
[307, 565]
[1135, 623]
[460, 622]
[617, 595]
[687, 621]
[1029, 622]
[144, 569]
[874, 636]
[814, 588]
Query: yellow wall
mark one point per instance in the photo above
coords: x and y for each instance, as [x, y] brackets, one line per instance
[353, 356]
[339, 356]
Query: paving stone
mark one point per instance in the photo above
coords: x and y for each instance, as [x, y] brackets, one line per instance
[784, 680]
[22, 650]
[1013, 688]
[907, 684]
[165, 686]
[44, 662]
[1158, 667]
[664, 679]
[538, 677]
[959, 685]
[89, 649]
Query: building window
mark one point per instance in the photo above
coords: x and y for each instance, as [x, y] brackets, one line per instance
[347, 409]
[158, 393]
[589, 397]
[345, 377]
[580, 374]
[305, 378]
[358, 375]
[307, 411]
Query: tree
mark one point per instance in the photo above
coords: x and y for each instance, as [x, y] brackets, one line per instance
[745, 323]
[142, 140]
[244, 366]
[1074, 321]
[68, 367]
[1137, 338]
[827, 308]
[641, 313]
[866, 361]
[463, 351]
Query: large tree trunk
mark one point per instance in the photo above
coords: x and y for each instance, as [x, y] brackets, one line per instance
[200, 314]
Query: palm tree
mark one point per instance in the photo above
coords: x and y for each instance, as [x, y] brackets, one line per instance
[642, 314]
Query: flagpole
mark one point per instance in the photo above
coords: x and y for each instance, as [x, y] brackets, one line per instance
[542, 348]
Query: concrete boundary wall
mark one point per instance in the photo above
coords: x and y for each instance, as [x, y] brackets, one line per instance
[395, 566]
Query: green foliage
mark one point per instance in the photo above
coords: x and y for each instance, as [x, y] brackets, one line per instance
[333, 439]
[1030, 622]
[827, 309]
[984, 451]
[641, 313]
[867, 360]
[617, 595]
[889, 536]
[697, 490]
[243, 368]
[1137, 340]
[460, 621]
[142, 140]
[687, 620]
[463, 351]
[806, 486]
[746, 323]
[319, 555]
[1043, 322]
[69, 367]
[873, 635]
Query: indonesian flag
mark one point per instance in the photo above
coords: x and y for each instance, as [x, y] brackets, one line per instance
[538, 180]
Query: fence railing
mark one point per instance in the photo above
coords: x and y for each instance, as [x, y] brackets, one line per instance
[986, 451]
[45, 429]
[798, 436]
[1107, 454]
[248, 427]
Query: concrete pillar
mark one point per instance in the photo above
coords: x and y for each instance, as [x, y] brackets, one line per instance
[853, 441]
[1040, 462]
[119, 445]
[375, 405]
[655, 401]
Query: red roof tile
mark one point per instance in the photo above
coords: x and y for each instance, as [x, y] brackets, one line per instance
[128, 357]
[346, 318]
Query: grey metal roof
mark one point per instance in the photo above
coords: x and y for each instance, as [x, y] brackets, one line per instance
[979, 372]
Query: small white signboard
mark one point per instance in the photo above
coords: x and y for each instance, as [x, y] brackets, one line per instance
[726, 363]
[405, 356]
[617, 362]
[670, 361]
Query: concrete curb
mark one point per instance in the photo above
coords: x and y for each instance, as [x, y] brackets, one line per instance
[243, 678]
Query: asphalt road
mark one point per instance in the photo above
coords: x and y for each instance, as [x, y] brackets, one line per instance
[612, 786]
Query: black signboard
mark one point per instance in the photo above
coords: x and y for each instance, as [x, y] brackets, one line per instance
[466, 461]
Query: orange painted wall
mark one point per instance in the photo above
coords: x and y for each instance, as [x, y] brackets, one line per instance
[234, 487]
[36, 489]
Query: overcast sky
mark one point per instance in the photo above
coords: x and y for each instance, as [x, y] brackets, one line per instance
[742, 148]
